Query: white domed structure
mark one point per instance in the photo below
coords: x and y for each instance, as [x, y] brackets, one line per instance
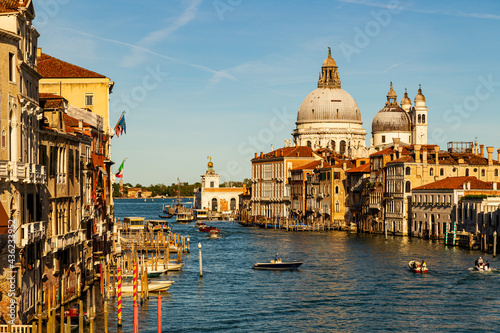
[329, 117]
[391, 122]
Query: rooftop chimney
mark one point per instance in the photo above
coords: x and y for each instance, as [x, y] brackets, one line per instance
[417, 153]
[38, 52]
[482, 150]
[424, 155]
[494, 186]
[436, 151]
[475, 147]
[490, 155]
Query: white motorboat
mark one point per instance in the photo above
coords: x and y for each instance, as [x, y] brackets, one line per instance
[152, 286]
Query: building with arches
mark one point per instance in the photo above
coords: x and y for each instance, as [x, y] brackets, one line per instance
[329, 117]
[214, 198]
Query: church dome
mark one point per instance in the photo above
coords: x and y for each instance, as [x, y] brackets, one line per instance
[392, 118]
[329, 104]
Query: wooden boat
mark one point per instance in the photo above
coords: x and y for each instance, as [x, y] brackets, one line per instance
[151, 273]
[277, 265]
[74, 316]
[416, 267]
[157, 286]
[208, 229]
[200, 224]
[166, 216]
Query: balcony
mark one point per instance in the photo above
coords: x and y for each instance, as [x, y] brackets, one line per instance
[32, 232]
[38, 174]
[4, 169]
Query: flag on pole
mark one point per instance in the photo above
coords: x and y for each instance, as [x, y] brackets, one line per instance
[121, 126]
[119, 174]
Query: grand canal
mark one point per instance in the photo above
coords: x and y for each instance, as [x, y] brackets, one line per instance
[349, 282]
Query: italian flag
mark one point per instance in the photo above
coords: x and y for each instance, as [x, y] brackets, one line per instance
[119, 174]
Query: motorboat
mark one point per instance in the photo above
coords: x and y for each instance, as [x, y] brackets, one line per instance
[208, 228]
[214, 233]
[277, 264]
[74, 315]
[200, 224]
[151, 273]
[152, 286]
[416, 266]
[479, 265]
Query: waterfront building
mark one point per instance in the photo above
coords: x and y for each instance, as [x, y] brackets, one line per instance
[329, 117]
[434, 206]
[88, 90]
[215, 198]
[357, 203]
[22, 197]
[407, 166]
[271, 174]
[301, 190]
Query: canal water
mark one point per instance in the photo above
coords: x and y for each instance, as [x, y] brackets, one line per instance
[348, 283]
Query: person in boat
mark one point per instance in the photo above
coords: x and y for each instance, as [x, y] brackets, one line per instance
[487, 265]
[480, 261]
[423, 264]
[277, 258]
[476, 263]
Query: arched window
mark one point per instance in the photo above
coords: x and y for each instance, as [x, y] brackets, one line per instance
[419, 118]
[441, 172]
[408, 187]
[466, 172]
[342, 147]
[431, 172]
[483, 173]
[496, 172]
[423, 119]
[408, 171]
[214, 204]
[232, 205]
[333, 145]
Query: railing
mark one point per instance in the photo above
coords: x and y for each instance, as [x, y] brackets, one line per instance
[21, 170]
[18, 328]
[38, 173]
[32, 232]
[4, 169]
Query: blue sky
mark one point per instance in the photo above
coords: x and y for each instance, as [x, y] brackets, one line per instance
[225, 78]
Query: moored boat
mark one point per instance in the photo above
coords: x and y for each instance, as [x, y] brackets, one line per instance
[152, 286]
[417, 266]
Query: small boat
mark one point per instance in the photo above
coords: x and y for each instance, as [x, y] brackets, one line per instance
[166, 216]
[277, 264]
[152, 286]
[416, 266]
[184, 217]
[200, 224]
[208, 229]
[479, 265]
[214, 233]
[74, 316]
[151, 274]
[482, 268]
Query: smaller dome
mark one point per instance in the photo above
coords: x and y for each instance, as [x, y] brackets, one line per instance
[420, 97]
[391, 119]
[406, 100]
[391, 93]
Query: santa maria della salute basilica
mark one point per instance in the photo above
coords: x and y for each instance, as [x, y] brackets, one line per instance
[329, 117]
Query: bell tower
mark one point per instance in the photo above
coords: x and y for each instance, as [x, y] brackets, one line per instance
[419, 119]
[210, 179]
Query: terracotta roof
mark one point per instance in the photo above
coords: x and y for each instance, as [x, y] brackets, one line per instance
[7, 6]
[390, 150]
[452, 183]
[404, 159]
[298, 151]
[365, 168]
[50, 67]
[311, 165]
[51, 101]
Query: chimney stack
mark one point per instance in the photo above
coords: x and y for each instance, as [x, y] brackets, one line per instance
[255, 155]
[436, 151]
[417, 153]
[490, 155]
[482, 150]
[494, 186]
[424, 155]
[475, 147]
[38, 52]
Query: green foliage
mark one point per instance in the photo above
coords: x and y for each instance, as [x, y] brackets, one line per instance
[474, 196]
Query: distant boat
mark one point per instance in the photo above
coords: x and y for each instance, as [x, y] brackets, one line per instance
[415, 267]
[214, 233]
[166, 216]
[277, 265]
